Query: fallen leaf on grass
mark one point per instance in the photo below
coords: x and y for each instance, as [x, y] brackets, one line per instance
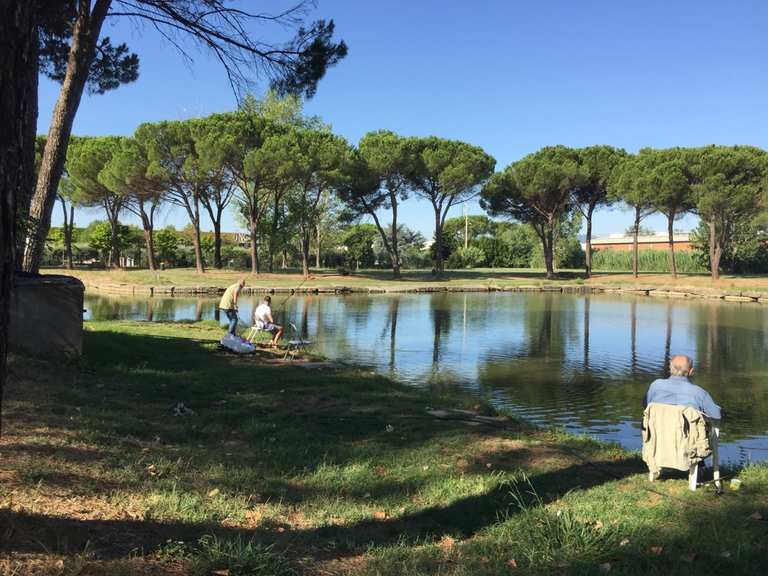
[447, 543]
[598, 525]
[213, 493]
[512, 563]
[224, 572]
[624, 542]
[379, 515]
[656, 550]
[756, 516]
[725, 554]
[605, 567]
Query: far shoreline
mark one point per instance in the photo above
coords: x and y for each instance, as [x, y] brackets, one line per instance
[186, 282]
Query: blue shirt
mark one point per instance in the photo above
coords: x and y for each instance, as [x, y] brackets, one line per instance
[679, 391]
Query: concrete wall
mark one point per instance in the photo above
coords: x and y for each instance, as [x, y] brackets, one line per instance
[46, 317]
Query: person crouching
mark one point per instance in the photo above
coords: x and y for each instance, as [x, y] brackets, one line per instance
[262, 318]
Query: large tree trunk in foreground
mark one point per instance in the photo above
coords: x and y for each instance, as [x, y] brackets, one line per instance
[671, 233]
[84, 38]
[715, 251]
[24, 195]
[17, 152]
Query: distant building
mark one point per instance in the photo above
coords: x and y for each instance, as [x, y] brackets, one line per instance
[658, 241]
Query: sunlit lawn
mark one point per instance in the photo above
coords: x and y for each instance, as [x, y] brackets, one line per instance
[478, 277]
[283, 470]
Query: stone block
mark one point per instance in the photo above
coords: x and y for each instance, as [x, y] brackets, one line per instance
[46, 316]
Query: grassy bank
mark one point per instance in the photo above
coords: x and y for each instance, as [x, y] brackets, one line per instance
[280, 470]
[186, 277]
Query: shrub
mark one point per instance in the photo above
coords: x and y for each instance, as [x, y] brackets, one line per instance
[648, 261]
[469, 257]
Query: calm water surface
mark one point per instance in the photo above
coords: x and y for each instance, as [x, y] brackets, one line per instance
[580, 362]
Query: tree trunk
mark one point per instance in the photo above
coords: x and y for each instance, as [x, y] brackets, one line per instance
[670, 231]
[393, 241]
[588, 252]
[304, 250]
[147, 222]
[273, 235]
[317, 257]
[149, 242]
[84, 38]
[217, 242]
[67, 229]
[549, 243]
[438, 243]
[636, 231]
[114, 244]
[199, 265]
[254, 229]
[24, 194]
[17, 144]
[715, 251]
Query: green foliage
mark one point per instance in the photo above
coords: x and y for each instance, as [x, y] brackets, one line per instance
[537, 191]
[167, 244]
[731, 193]
[446, 173]
[511, 246]
[648, 261]
[746, 251]
[100, 236]
[469, 257]
[641, 231]
[358, 241]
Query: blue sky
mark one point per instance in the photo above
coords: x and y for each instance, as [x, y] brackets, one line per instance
[510, 76]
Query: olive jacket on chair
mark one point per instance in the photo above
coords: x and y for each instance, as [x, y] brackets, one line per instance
[674, 437]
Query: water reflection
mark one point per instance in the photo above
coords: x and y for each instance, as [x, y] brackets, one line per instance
[581, 362]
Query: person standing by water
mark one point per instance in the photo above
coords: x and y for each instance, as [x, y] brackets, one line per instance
[228, 304]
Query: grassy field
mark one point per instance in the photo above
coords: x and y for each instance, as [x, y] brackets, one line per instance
[280, 470]
[411, 278]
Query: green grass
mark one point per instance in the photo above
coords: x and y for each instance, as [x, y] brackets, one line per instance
[287, 471]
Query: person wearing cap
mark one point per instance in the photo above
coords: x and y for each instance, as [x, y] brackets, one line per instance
[262, 318]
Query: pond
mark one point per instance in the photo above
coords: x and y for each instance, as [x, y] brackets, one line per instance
[576, 361]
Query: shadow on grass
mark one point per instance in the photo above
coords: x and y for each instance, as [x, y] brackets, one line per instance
[254, 424]
[464, 517]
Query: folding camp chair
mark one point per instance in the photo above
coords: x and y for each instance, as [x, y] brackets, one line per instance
[693, 471]
[296, 343]
[256, 334]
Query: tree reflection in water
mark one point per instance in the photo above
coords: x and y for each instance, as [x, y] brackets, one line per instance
[583, 362]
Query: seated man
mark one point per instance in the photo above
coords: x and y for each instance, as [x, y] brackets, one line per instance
[262, 318]
[678, 389]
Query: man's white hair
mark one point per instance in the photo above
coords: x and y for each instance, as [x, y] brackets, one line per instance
[680, 365]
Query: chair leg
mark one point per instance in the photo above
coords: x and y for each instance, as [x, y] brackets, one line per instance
[693, 475]
[715, 459]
